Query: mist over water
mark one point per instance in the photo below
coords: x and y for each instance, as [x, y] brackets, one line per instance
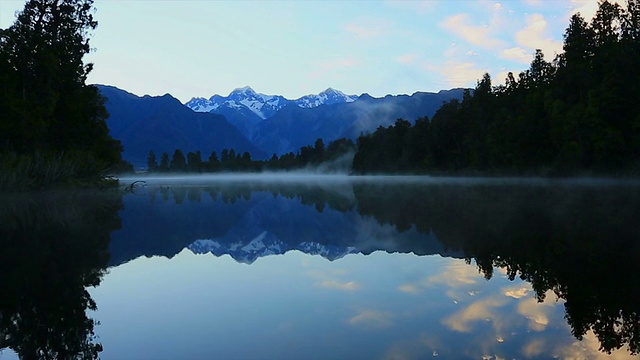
[320, 178]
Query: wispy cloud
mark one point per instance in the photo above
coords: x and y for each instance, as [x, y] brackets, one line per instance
[480, 310]
[517, 53]
[372, 318]
[459, 73]
[534, 36]
[479, 35]
[537, 313]
[339, 285]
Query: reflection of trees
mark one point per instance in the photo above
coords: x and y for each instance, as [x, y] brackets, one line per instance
[580, 242]
[337, 198]
[52, 247]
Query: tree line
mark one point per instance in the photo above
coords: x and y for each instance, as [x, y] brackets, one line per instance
[53, 126]
[230, 160]
[578, 113]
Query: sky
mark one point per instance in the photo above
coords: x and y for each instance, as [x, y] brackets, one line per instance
[198, 48]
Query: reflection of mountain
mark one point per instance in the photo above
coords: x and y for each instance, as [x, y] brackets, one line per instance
[248, 222]
[53, 246]
[578, 240]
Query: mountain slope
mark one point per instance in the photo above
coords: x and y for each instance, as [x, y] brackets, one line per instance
[163, 124]
[293, 127]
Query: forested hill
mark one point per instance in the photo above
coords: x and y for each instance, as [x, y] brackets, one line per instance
[576, 114]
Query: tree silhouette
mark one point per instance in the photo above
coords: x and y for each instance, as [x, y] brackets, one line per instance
[47, 107]
[53, 247]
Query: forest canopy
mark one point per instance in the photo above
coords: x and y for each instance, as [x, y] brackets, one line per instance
[576, 114]
[53, 126]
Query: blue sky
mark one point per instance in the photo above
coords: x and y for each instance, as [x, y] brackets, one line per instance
[194, 48]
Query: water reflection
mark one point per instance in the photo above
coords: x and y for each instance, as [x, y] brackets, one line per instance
[52, 247]
[573, 241]
[550, 248]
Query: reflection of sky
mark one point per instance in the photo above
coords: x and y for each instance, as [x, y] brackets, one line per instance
[395, 306]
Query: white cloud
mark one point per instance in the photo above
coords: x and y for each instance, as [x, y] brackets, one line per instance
[538, 313]
[517, 53]
[534, 36]
[459, 73]
[517, 293]
[588, 8]
[460, 25]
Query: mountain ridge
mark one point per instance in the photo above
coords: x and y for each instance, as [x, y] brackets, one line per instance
[265, 106]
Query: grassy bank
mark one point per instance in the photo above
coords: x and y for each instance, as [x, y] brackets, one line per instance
[39, 171]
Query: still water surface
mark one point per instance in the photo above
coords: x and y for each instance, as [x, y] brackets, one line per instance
[319, 267]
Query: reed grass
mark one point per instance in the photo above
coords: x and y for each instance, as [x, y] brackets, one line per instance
[39, 171]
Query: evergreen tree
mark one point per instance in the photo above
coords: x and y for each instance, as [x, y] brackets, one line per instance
[178, 161]
[152, 162]
[46, 104]
[164, 162]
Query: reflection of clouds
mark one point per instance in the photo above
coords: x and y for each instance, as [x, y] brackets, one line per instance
[372, 319]
[517, 292]
[327, 280]
[409, 288]
[537, 312]
[456, 275]
[588, 349]
[534, 348]
[479, 310]
[421, 347]
[337, 285]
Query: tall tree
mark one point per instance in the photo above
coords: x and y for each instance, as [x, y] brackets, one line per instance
[47, 104]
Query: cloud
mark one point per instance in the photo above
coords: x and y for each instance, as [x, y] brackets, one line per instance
[588, 349]
[534, 36]
[517, 293]
[534, 348]
[410, 289]
[536, 312]
[459, 73]
[372, 318]
[337, 285]
[456, 274]
[460, 25]
[480, 310]
[518, 54]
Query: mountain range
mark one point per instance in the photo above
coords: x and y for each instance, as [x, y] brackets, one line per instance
[252, 122]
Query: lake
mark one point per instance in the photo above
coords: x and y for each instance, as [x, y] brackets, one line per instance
[323, 267]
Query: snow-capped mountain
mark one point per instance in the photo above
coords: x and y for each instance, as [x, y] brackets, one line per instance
[266, 244]
[265, 106]
[327, 97]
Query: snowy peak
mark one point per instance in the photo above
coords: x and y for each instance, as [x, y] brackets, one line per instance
[265, 106]
[327, 97]
[265, 244]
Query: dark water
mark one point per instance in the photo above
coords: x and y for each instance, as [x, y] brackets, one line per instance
[323, 267]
